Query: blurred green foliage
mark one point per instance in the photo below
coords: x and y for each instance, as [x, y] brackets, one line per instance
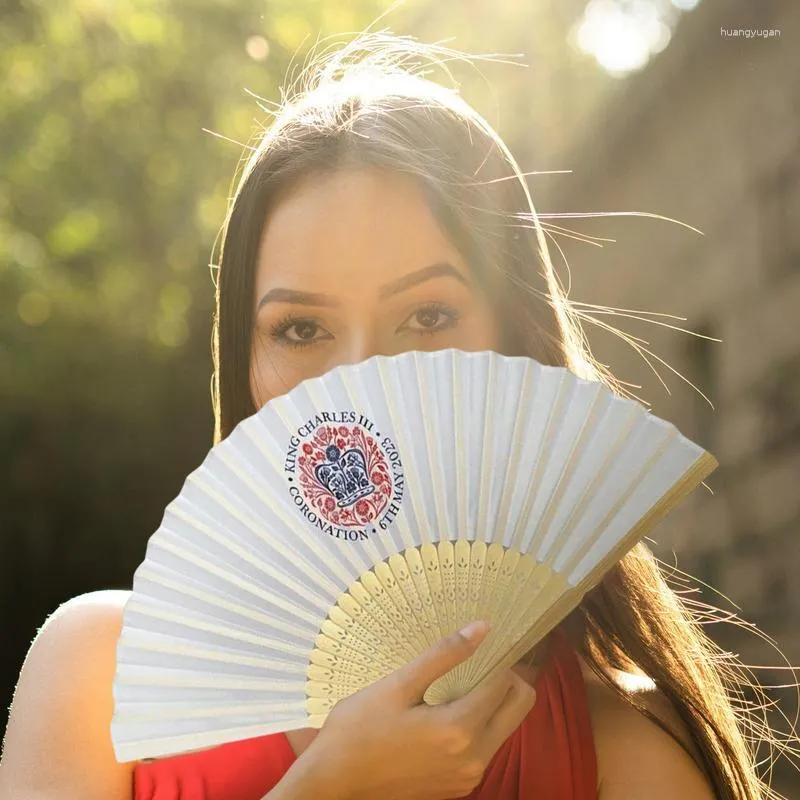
[111, 192]
[111, 196]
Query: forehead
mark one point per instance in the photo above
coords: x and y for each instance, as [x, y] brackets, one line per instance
[350, 227]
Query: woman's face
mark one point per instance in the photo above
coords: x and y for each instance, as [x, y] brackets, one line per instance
[352, 264]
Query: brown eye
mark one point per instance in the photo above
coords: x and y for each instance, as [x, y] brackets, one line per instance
[303, 331]
[428, 317]
[432, 319]
[298, 333]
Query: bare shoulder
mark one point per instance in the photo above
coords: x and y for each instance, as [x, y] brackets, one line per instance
[94, 612]
[80, 633]
[635, 757]
[58, 729]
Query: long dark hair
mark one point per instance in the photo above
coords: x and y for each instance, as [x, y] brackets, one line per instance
[365, 106]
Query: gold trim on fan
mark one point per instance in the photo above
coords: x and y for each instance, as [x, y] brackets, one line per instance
[407, 602]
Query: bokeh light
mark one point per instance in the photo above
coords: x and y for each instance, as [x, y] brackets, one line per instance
[34, 308]
[623, 35]
[257, 48]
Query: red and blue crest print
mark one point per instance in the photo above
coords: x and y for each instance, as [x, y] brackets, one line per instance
[344, 475]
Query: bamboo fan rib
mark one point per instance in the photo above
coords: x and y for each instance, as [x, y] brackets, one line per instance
[351, 523]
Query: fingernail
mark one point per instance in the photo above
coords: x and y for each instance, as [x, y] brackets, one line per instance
[472, 629]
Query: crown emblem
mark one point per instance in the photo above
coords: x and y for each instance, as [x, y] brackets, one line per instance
[344, 475]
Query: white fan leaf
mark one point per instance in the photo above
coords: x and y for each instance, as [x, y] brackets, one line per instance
[354, 521]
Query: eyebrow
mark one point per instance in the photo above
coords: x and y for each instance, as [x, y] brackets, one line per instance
[438, 270]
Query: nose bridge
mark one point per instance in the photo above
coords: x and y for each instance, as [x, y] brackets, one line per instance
[362, 343]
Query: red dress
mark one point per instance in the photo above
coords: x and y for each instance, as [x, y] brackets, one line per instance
[551, 755]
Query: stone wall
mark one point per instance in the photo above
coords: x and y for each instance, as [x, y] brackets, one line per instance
[709, 134]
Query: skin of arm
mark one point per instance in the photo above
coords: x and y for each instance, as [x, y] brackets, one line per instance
[303, 780]
[57, 744]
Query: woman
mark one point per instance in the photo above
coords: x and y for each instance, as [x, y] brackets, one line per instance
[380, 214]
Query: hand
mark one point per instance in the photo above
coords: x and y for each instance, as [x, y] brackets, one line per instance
[382, 741]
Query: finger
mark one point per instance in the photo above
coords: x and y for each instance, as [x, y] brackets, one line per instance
[413, 680]
[516, 705]
[475, 708]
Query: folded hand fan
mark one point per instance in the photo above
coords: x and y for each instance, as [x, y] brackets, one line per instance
[351, 523]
